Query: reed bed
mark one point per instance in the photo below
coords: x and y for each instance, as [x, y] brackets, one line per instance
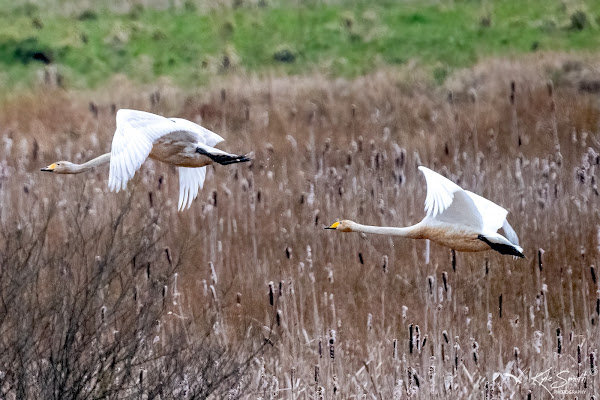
[293, 311]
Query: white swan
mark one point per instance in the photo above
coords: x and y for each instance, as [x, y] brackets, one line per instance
[455, 218]
[175, 141]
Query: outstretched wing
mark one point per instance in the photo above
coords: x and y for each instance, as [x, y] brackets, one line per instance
[132, 143]
[191, 181]
[136, 132]
[510, 233]
[204, 135]
[448, 202]
[494, 216]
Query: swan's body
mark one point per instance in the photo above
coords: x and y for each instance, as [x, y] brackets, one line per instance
[456, 218]
[175, 141]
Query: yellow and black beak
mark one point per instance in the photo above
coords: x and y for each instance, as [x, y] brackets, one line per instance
[49, 168]
[333, 226]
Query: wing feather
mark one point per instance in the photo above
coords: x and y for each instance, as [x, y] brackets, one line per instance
[205, 136]
[510, 233]
[448, 202]
[493, 215]
[132, 143]
[191, 180]
[440, 192]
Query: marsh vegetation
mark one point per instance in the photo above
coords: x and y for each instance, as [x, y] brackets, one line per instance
[245, 295]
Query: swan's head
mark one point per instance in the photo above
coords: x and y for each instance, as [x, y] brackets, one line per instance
[343, 225]
[60, 167]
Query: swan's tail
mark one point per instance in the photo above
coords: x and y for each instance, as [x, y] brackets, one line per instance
[221, 157]
[502, 245]
[229, 159]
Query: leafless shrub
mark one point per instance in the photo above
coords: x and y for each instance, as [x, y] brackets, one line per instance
[82, 317]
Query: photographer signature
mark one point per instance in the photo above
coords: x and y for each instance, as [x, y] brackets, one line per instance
[563, 382]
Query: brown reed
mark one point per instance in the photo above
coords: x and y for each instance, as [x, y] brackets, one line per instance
[323, 150]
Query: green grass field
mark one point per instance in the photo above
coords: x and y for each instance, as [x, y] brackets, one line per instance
[348, 38]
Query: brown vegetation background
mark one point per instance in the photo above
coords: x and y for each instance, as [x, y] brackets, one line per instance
[248, 276]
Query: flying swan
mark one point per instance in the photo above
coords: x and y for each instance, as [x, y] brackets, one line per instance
[455, 218]
[175, 141]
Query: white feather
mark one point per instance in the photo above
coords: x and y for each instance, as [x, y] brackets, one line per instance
[191, 180]
[205, 136]
[510, 233]
[493, 215]
[448, 202]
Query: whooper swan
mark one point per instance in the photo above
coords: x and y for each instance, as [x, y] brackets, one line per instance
[175, 141]
[455, 218]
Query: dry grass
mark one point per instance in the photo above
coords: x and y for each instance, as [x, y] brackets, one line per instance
[332, 306]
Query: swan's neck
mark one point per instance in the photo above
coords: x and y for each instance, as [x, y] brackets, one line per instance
[103, 159]
[413, 231]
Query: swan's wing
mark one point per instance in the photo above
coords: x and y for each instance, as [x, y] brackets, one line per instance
[493, 215]
[136, 132]
[448, 202]
[440, 192]
[510, 233]
[462, 211]
[191, 181]
[205, 136]
[132, 143]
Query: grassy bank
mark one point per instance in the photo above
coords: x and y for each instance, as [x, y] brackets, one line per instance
[190, 44]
